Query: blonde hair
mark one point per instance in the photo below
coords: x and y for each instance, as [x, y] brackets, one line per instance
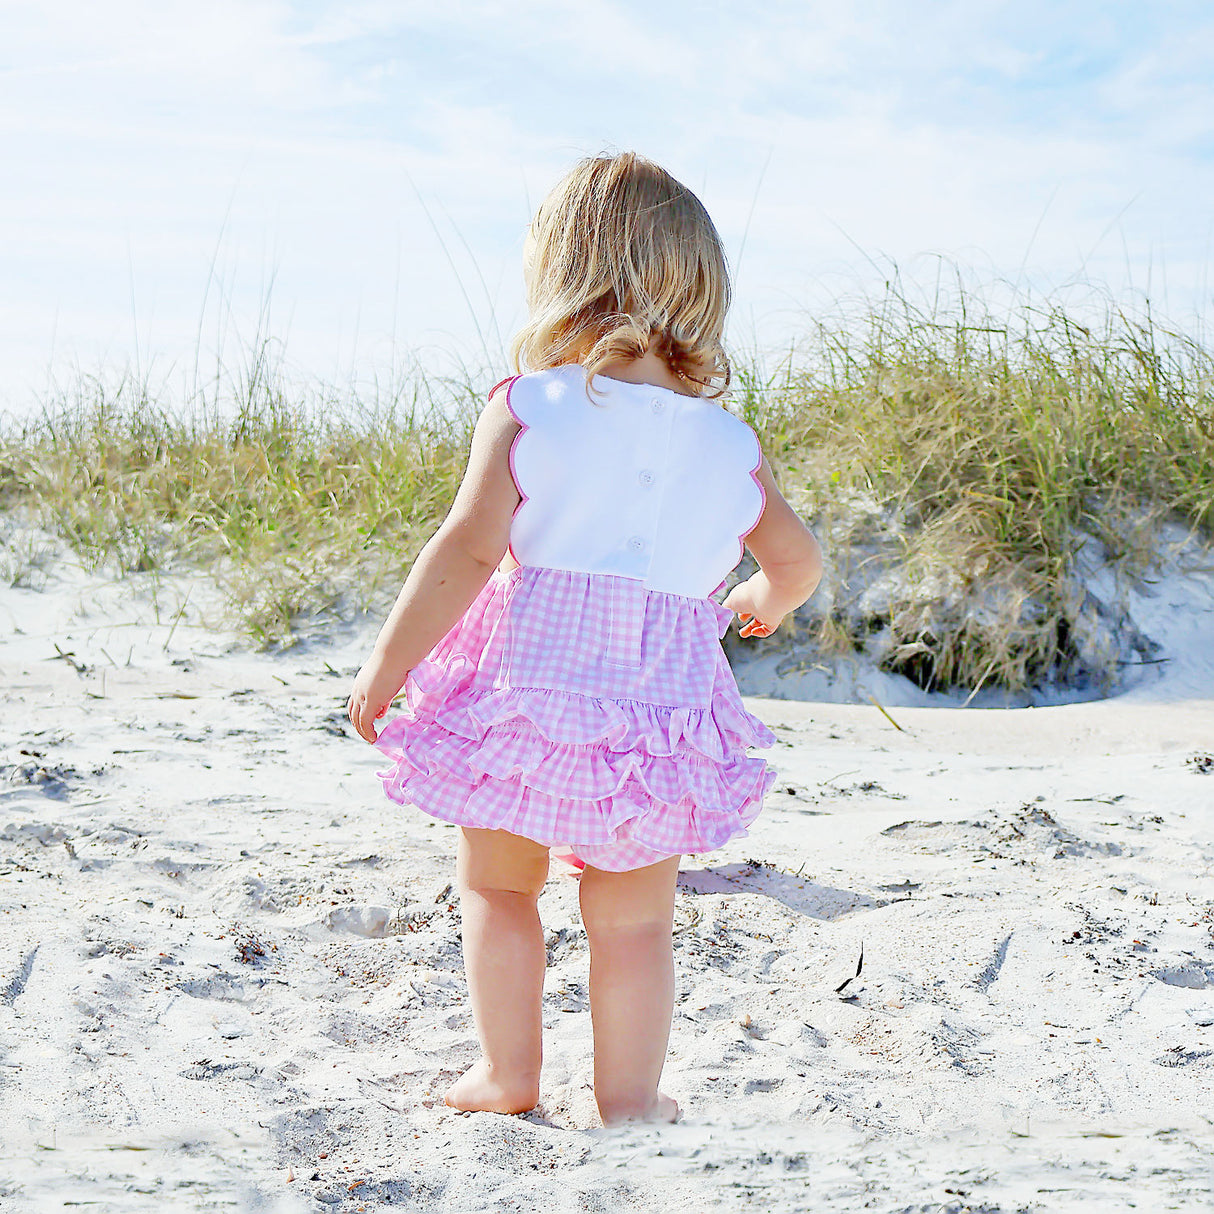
[625, 259]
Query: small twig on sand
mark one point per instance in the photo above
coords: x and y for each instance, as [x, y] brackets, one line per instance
[177, 619]
[886, 714]
[840, 775]
[853, 977]
[69, 657]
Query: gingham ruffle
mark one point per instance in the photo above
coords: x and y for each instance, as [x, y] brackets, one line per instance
[719, 732]
[567, 766]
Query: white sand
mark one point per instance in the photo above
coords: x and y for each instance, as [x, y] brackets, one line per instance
[230, 972]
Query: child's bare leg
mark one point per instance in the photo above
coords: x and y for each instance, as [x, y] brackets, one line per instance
[500, 877]
[628, 919]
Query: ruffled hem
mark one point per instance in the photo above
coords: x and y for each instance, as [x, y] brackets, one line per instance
[630, 813]
[518, 751]
[445, 697]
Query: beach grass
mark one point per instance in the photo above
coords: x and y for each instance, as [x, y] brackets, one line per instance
[298, 506]
[974, 460]
[956, 459]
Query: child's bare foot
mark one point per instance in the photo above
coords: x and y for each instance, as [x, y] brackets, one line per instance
[664, 1108]
[479, 1091]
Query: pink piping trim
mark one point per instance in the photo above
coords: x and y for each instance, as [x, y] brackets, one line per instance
[754, 476]
[509, 381]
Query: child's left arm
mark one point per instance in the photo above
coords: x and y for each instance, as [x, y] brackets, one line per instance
[449, 572]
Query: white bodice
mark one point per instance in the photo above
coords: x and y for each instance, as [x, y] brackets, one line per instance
[640, 482]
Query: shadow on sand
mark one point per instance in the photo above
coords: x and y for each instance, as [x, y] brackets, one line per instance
[799, 893]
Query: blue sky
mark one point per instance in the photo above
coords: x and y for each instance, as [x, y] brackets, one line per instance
[363, 171]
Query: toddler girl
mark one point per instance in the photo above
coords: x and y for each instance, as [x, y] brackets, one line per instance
[560, 654]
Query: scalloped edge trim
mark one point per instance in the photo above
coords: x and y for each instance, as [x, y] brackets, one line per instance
[509, 383]
[754, 476]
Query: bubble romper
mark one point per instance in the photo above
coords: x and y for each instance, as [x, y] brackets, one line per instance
[584, 698]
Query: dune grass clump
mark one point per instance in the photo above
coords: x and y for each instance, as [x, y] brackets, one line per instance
[295, 506]
[976, 479]
[961, 466]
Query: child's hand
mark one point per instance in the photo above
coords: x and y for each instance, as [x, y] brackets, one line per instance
[755, 615]
[374, 689]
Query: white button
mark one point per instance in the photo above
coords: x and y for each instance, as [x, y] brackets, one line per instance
[636, 543]
[645, 476]
[658, 404]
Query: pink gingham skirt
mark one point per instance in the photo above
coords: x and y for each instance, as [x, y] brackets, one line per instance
[581, 709]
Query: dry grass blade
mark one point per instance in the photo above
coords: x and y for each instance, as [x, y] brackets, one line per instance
[852, 977]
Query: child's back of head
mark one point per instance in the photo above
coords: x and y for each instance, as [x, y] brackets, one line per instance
[622, 259]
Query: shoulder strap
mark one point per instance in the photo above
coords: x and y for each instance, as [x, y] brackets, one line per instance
[501, 383]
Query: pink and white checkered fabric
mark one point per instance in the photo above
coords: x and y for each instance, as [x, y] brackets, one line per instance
[608, 637]
[582, 709]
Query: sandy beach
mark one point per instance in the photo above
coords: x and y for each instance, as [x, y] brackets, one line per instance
[230, 971]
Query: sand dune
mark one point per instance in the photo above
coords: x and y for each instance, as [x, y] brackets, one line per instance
[230, 973]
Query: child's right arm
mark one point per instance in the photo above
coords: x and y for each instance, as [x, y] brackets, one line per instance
[449, 572]
[790, 565]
